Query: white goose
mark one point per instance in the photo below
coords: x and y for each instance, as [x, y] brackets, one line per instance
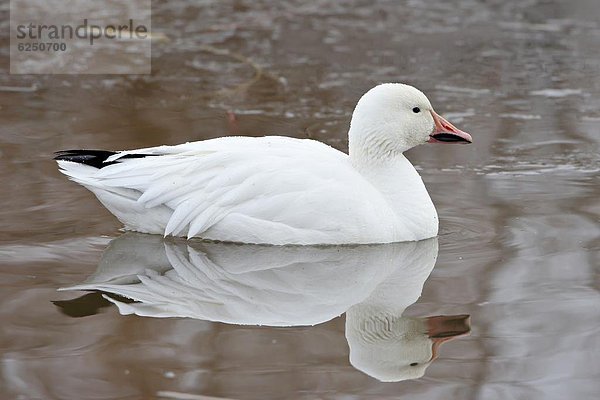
[280, 190]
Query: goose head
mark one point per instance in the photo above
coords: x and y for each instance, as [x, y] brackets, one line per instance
[392, 118]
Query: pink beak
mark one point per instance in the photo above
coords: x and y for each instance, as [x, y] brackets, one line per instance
[445, 132]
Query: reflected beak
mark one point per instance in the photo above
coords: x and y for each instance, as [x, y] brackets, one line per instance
[443, 328]
[445, 132]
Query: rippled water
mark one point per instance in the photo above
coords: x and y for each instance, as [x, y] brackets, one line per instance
[519, 211]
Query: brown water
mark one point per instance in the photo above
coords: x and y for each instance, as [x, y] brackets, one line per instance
[519, 210]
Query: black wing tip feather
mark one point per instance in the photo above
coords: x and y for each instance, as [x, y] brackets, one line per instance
[93, 158]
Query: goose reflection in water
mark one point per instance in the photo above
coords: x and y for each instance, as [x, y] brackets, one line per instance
[287, 286]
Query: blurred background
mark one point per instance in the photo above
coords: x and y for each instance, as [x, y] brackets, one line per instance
[519, 208]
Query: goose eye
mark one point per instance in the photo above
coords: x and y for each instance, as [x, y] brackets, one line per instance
[414, 364]
[416, 110]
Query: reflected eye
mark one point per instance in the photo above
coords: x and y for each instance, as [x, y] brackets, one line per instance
[414, 364]
[416, 110]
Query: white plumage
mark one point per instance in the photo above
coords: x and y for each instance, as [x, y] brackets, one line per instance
[278, 190]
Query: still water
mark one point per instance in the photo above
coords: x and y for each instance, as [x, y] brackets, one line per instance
[511, 284]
